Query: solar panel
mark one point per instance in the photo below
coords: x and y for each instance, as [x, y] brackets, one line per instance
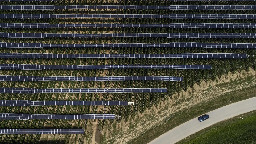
[55, 103]
[185, 55]
[153, 35]
[137, 7]
[72, 78]
[90, 67]
[169, 16]
[13, 116]
[171, 25]
[212, 7]
[82, 90]
[41, 131]
[58, 7]
[114, 45]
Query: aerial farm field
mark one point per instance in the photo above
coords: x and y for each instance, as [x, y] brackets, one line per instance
[237, 54]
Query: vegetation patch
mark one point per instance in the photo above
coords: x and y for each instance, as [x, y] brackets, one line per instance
[240, 130]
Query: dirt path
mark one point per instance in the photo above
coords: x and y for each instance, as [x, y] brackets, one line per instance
[94, 128]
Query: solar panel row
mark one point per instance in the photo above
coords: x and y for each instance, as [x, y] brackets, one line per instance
[55, 103]
[203, 35]
[185, 55]
[158, 45]
[171, 25]
[83, 90]
[155, 35]
[150, 7]
[88, 67]
[41, 131]
[212, 7]
[12, 116]
[170, 16]
[72, 78]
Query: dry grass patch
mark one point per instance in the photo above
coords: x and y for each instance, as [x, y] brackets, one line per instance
[49, 137]
[94, 129]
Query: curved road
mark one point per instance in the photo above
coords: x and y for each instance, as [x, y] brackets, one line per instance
[192, 126]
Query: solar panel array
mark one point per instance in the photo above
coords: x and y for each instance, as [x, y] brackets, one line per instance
[142, 45]
[55, 103]
[12, 116]
[189, 55]
[155, 35]
[41, 131]
[171, 25]
[150, 16]
[72, 78]
[90, 67]
[137, 7]
[128, 26]
[82, 90]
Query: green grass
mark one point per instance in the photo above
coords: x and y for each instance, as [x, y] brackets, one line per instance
[235, 130]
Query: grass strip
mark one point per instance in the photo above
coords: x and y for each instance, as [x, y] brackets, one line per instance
[240, 129]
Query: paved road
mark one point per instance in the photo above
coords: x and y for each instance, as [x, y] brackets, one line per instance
[190, 127]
